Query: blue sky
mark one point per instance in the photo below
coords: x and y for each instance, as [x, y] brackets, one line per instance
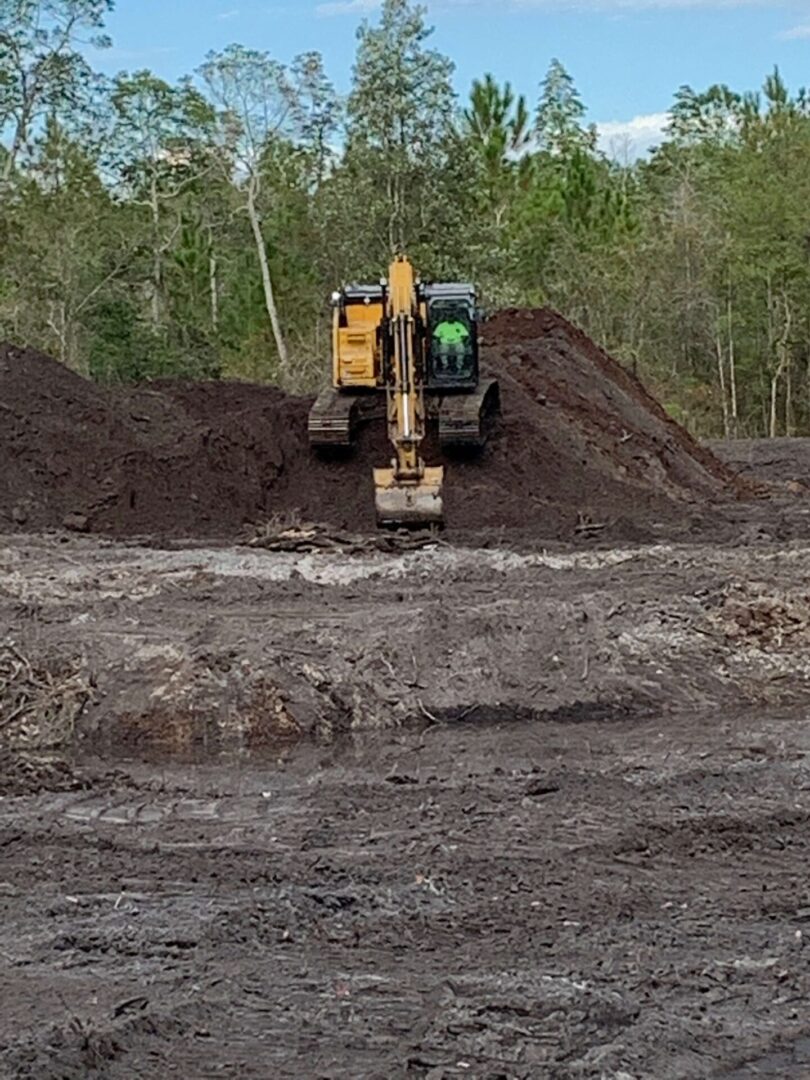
[627, 56]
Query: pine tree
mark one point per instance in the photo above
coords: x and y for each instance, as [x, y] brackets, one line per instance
[400, 115]
[559, 123]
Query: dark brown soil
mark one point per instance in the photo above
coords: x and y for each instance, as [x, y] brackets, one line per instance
[24, 776]
[580, 442]
[783, 462]
[499, 814]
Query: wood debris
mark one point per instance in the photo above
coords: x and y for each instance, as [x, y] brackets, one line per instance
[307, 538]
[756, 615]
[39, 704]
[585, 527]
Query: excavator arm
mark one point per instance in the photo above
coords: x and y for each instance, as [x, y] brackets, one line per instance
[409, 493]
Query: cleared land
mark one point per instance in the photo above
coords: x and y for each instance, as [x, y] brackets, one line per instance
[526, 801]
[555, 828]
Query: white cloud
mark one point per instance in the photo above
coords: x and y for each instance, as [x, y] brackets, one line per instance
[225, 15]
[796, 33]
[348, 7]
[627, 140]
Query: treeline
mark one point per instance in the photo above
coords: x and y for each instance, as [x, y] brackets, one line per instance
[195, 229]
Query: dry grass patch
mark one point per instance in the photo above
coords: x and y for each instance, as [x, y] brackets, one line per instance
[40, 701]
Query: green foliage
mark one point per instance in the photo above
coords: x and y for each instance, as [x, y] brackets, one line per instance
[399, 133]
[195, 229]
[561, 115]
[121, 347]
[42, 70]
[497, 129]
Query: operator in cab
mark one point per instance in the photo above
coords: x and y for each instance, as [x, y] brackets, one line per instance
[451, 337]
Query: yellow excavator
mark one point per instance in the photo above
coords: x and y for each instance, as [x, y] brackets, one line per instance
[409, 351]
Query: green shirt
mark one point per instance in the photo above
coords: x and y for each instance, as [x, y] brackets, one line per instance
[451, 333]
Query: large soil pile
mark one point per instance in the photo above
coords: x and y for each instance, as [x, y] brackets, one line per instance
[580, 441]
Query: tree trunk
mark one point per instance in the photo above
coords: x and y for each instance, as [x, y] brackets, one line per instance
[56, 321]
[783, 355]
[722, 379]
[785, 361]
[16, 145]
[788, 400]
[771, 350]
[8, 167]
[774, 389]
[213, 286]
[157, 274]
[732, 372]
[393, 243]
[267, 281]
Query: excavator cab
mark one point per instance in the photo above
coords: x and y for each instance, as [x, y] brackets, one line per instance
[452, 332]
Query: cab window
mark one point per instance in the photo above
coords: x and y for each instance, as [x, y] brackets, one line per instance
[452, 343]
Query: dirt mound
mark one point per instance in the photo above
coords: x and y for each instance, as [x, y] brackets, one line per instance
[137, 461]
[581, 445]
[581, 440]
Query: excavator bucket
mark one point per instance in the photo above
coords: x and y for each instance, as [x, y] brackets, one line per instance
[410, 503]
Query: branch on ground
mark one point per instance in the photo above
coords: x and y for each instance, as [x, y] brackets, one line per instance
[40, 702]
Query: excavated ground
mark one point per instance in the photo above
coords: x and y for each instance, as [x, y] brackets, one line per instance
[528, 802]
[549, 817]
[580, 443]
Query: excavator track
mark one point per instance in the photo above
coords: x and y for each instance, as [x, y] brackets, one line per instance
[337, 414]
[465, 419]
[333, 419]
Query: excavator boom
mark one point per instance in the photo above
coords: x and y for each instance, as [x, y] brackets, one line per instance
[408, 493]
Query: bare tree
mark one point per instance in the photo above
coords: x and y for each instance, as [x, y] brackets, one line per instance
[260, 101]
[41, 68]
[158, 150]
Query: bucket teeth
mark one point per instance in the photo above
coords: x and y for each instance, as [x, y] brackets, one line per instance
[412, 504]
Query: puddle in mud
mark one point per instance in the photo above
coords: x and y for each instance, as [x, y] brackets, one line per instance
[456, 732]
[463, 726]
[178, 744]
[579, 712]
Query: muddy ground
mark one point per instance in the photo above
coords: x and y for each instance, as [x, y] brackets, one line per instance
[513, 900]
[463, 811]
